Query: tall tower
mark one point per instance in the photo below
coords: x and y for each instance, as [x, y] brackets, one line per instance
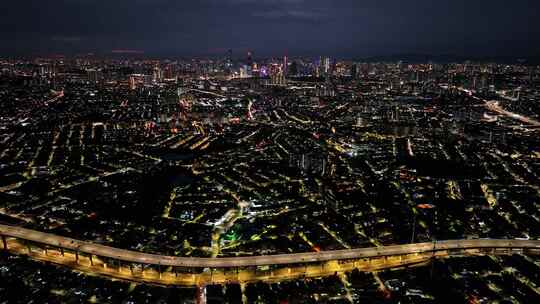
[229, 57]
[326, 66]
[285, 66]
[249, 64]
[249, 59]
[228, 61]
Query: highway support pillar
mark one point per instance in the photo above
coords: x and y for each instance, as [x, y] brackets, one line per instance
[131, 268]
[62, 251]
[76, 256]
[159, 270]
[91, 260]
[4, 241]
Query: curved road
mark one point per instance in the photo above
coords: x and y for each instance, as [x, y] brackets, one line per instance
[153, 259]
[495, 107]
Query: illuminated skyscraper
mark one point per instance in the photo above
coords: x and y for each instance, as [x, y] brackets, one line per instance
[169, 72]
[132, 83]
[94, 75]
[157, 74]
[245, 71]
[327, 68]
[228, 62]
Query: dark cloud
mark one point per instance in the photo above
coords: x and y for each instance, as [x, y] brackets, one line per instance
[337, 27]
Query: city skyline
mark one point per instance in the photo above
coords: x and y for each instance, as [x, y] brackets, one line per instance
[269, 151]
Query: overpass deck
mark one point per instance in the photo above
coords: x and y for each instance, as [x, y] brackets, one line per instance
[247, 261]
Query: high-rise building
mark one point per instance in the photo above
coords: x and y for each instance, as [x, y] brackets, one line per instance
[278, 79]
[285, 66]
[147, 80]
[228, 62]
[354, 71]
[94, 75]
[42, 70]
[169, 72]
[132, 83]
[319, 67]
[249, 60]
[245, 71]
[293, 69]
[327, 68]
[157, 75]
[229, 58]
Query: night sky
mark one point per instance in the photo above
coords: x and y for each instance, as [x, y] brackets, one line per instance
[341, 28]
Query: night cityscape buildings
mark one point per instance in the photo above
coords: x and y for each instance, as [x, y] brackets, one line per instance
[239, 176]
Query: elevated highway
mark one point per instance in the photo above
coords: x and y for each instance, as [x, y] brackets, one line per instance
[495, 107]
[86, 256]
